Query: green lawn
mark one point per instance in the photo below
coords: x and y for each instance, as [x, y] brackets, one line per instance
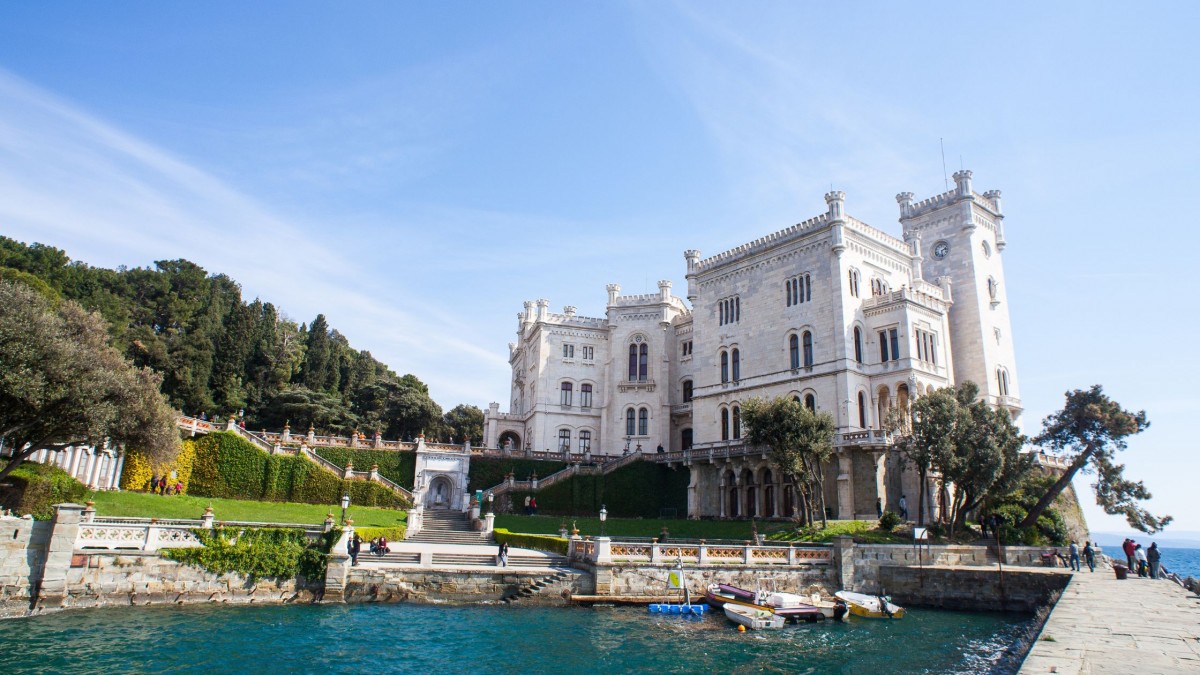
[863, 531]
[145, 505]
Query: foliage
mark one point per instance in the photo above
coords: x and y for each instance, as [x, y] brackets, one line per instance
[396, 466]
[1089, 430]
[465, 422]
[1013, 507]
[924, 436]
[537, 542]
[637, 490]
[396, 533]
[863, 531]
[36, 488]
[62, 385]
[801, 441]
[227, 465]
[278, 553]
[139, 469]
[144, 505]
[219, 354]
[889, 520]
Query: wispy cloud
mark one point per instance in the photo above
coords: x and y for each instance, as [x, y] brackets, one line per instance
[70, 179]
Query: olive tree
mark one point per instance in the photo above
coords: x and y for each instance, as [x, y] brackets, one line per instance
[62, 384]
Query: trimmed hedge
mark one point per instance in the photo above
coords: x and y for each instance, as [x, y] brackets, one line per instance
[393, 534]
[228, 466]
[537, 542]
[397, 466]
[488, 472]
[639, 490]
[36, 488]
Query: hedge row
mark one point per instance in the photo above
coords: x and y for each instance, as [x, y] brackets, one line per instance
[488, 472]
[393, 534]
[275, 553]
[35, 489]
[537, 542]
[399, 467]
[228, 466]
[639, 490]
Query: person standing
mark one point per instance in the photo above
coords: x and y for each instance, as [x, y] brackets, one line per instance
[527, 500]
[878, 507]
[533, 506]
[1139, 554]
[1089, 556]
[903, 504]
[1074, 557]
[1127, 547]
[353, 547]
[1153, 556]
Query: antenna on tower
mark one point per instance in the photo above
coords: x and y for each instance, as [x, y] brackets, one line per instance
[945, 178]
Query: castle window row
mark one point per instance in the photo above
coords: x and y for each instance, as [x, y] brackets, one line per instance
[731, 357]
[564, 440]
[567, 391]
[800, 350]
[853, 283]
[729, 310]
[588, 352]
[889, 338]
[879, 286]
[798, 289]
[639, 362]
[731, 431]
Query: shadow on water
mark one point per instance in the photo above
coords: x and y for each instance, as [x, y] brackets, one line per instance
[410, 638]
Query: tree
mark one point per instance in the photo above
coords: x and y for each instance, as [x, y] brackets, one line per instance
[1089, 430]
[465, 422]
[925, 436]
[61, 384]
[800, 442]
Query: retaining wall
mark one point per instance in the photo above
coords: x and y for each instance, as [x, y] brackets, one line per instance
[379, 584]
[980, 588]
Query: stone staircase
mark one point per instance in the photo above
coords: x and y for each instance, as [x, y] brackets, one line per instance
[539, 585]
[448, 527]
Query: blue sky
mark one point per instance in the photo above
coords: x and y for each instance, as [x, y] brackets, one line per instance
[416, 172]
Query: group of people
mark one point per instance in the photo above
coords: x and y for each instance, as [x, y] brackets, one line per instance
[1090, 549]
[530, 505]
[164, 486]
[377, 546]
[1145, 561]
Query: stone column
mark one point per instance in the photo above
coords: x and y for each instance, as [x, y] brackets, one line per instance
[845, 485]
[488, 523]
[843, 560]
[77, 456]
[89, 459]
[94, 469]
[116, 474]
[52, 592]
[603, 551]
[337, 571]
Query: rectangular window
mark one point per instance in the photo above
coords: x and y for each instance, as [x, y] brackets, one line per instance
[585, 442]
[895, 340]
[568, 351]
[565, 397]
[589, 353]
[585, 396]
[564, 440]
[883, 346]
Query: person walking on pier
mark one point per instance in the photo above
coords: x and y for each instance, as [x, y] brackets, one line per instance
[1153, 556]
[1074, 550]
[1089, 556]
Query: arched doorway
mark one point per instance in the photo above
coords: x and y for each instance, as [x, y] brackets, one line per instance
[768, 494]
[509, 440]
[440, 494]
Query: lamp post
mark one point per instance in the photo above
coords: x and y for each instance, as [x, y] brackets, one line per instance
[491, 498]
[603, 517]
[345, 505]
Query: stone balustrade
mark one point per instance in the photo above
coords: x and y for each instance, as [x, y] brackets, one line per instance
[603, 550]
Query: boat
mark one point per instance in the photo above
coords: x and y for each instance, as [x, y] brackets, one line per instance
[753, 618]
[724, 595]
[805, 606]
[871, 606]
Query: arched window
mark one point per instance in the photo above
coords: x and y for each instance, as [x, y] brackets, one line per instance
[737, 365]
[862, 410]
[1002, 381]
[808, 350]
[564, 440]
[810, 402]
[566, 393]
[724, 424]
[643, 362]
[857, 345]
[737, 422]
[585, 396]
[853, 284]
[630, 417]
[794, 351]
[633, 360]
[687, 391]
[685, 439]
[585, 441]
[724, 366]
[644, 422]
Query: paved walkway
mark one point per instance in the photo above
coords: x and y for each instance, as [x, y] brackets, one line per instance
[1102, 625]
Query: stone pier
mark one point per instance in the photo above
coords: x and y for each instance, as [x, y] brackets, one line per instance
[1105, 625]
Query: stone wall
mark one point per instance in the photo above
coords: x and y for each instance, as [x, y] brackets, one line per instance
[379, 584]
[862, 571]
[651, 580]
[111, 579]
[23, 544]
[1017, 589]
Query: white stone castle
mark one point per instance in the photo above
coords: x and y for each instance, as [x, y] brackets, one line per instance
[838, 314]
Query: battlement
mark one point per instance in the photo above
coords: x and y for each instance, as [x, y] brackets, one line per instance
[763, 243]
[878, 235]
[576, 320]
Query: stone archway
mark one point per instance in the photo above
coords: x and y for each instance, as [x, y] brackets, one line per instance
[440, 494]
[509, 440]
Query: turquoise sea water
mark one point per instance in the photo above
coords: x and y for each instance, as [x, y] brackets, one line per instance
[406, 638]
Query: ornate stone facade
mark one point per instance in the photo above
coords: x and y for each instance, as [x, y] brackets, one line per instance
[838, 314]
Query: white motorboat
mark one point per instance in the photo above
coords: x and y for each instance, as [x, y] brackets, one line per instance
[753, 618]
[871, 606]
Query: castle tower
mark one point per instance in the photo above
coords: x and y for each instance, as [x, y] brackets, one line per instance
[961, 237]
